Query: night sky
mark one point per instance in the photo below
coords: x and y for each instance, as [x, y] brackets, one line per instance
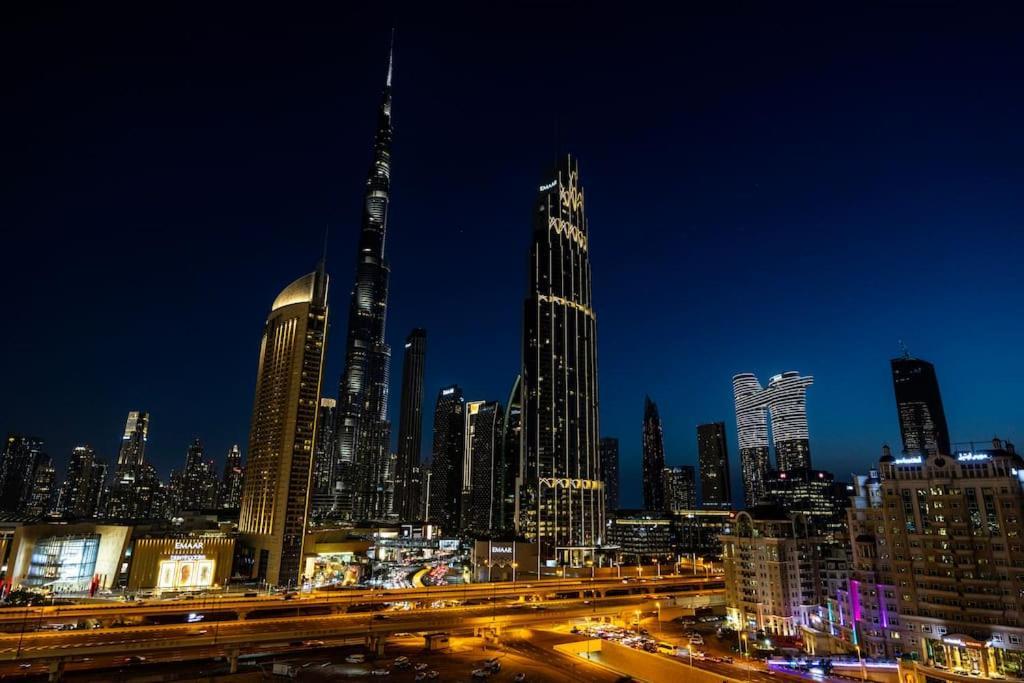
[767, 190]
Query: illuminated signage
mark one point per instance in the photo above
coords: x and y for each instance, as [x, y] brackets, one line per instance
[447, 392]
[913, 460]
[188, 545]
[969, 457]
[545, 188]
[178, 574]
[501, 549]
[954, 641]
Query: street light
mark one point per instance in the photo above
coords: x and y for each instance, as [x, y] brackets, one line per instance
[658, 605]
[514, 565]
[657, 564]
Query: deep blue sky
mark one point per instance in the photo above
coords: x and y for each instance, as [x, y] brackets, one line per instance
[768, 189]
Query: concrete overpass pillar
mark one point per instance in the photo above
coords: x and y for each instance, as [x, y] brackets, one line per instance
[56, 669]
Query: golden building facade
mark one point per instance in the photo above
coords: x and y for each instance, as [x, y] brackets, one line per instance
[275, 497]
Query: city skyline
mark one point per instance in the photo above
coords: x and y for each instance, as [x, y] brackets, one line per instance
[851, 410]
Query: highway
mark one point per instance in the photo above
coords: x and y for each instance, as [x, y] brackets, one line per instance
[15, 619]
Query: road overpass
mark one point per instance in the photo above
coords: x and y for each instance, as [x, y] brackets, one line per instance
[234, 638]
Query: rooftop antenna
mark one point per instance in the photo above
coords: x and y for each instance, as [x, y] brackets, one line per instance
[904, 349]
[391, 55]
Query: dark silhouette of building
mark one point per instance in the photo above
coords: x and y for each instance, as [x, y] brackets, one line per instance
[561, 504]
[364, 433]
[713, 460]
[326, 493]
[653, 462]
[511, 457]
[195, 486]
[481, 467]
[282, 438]
[610, 473]
[410, 428]
[83, 485]
[447, 456]
[40, 499]
[231, 483]
[813, 493]
[919, 405]
[679, 488]
[21, 456]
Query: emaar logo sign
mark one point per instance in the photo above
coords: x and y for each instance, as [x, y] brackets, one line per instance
[507, 549]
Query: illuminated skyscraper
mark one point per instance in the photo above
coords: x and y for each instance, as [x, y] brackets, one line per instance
[231, 483]
[17, 471]
[364, 433]
[653, 457]
[410, 428]
[446, 462]
[919, 402]
[679, 488]
[196, 485]
[135, 490]
[133, 443]
[326, 488]
[788, 407]
[609, 448]
[785, 399]
[561, 501]
[282, 438]
[713, 459]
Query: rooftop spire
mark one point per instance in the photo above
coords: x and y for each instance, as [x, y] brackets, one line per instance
[391, 55]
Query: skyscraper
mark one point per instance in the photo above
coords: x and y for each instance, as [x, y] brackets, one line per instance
[17, 471]
[326, 488]
[130, 495]
[919, 404]
[196, 486]
[410, 428]
[364, 433]
[483, 439]
[282, 437]
[785, 399]
[508, 468]
[752, 430]
[680, 488]
[40, 496]
[446, 461]
[561, 501]
[609, 448]
[231, 483]
[788, 407]
[653, 457]
[80, 494]
[713, 459]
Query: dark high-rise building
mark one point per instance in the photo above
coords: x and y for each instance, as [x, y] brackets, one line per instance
[561, 501]
[446, 460]
[679, 488]
[653, 457]
[40, 498]
[609, 448]
[326, 487]
[196, 484]
[919, 404]
[410, 428]
[713, 459]
[508, 467]
[17, 471]
[80, 494]
[282, 436]
[480, 468]
[813, 493]
[231, 483]
[364, 433]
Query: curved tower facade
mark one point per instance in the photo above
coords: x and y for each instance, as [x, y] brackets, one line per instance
[364, 433]
[275, 493]
[561, 501]
[788, 406]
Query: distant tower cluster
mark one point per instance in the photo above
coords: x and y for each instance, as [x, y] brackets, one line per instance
[785, 400]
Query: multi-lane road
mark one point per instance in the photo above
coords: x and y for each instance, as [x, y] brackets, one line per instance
[266, 623]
